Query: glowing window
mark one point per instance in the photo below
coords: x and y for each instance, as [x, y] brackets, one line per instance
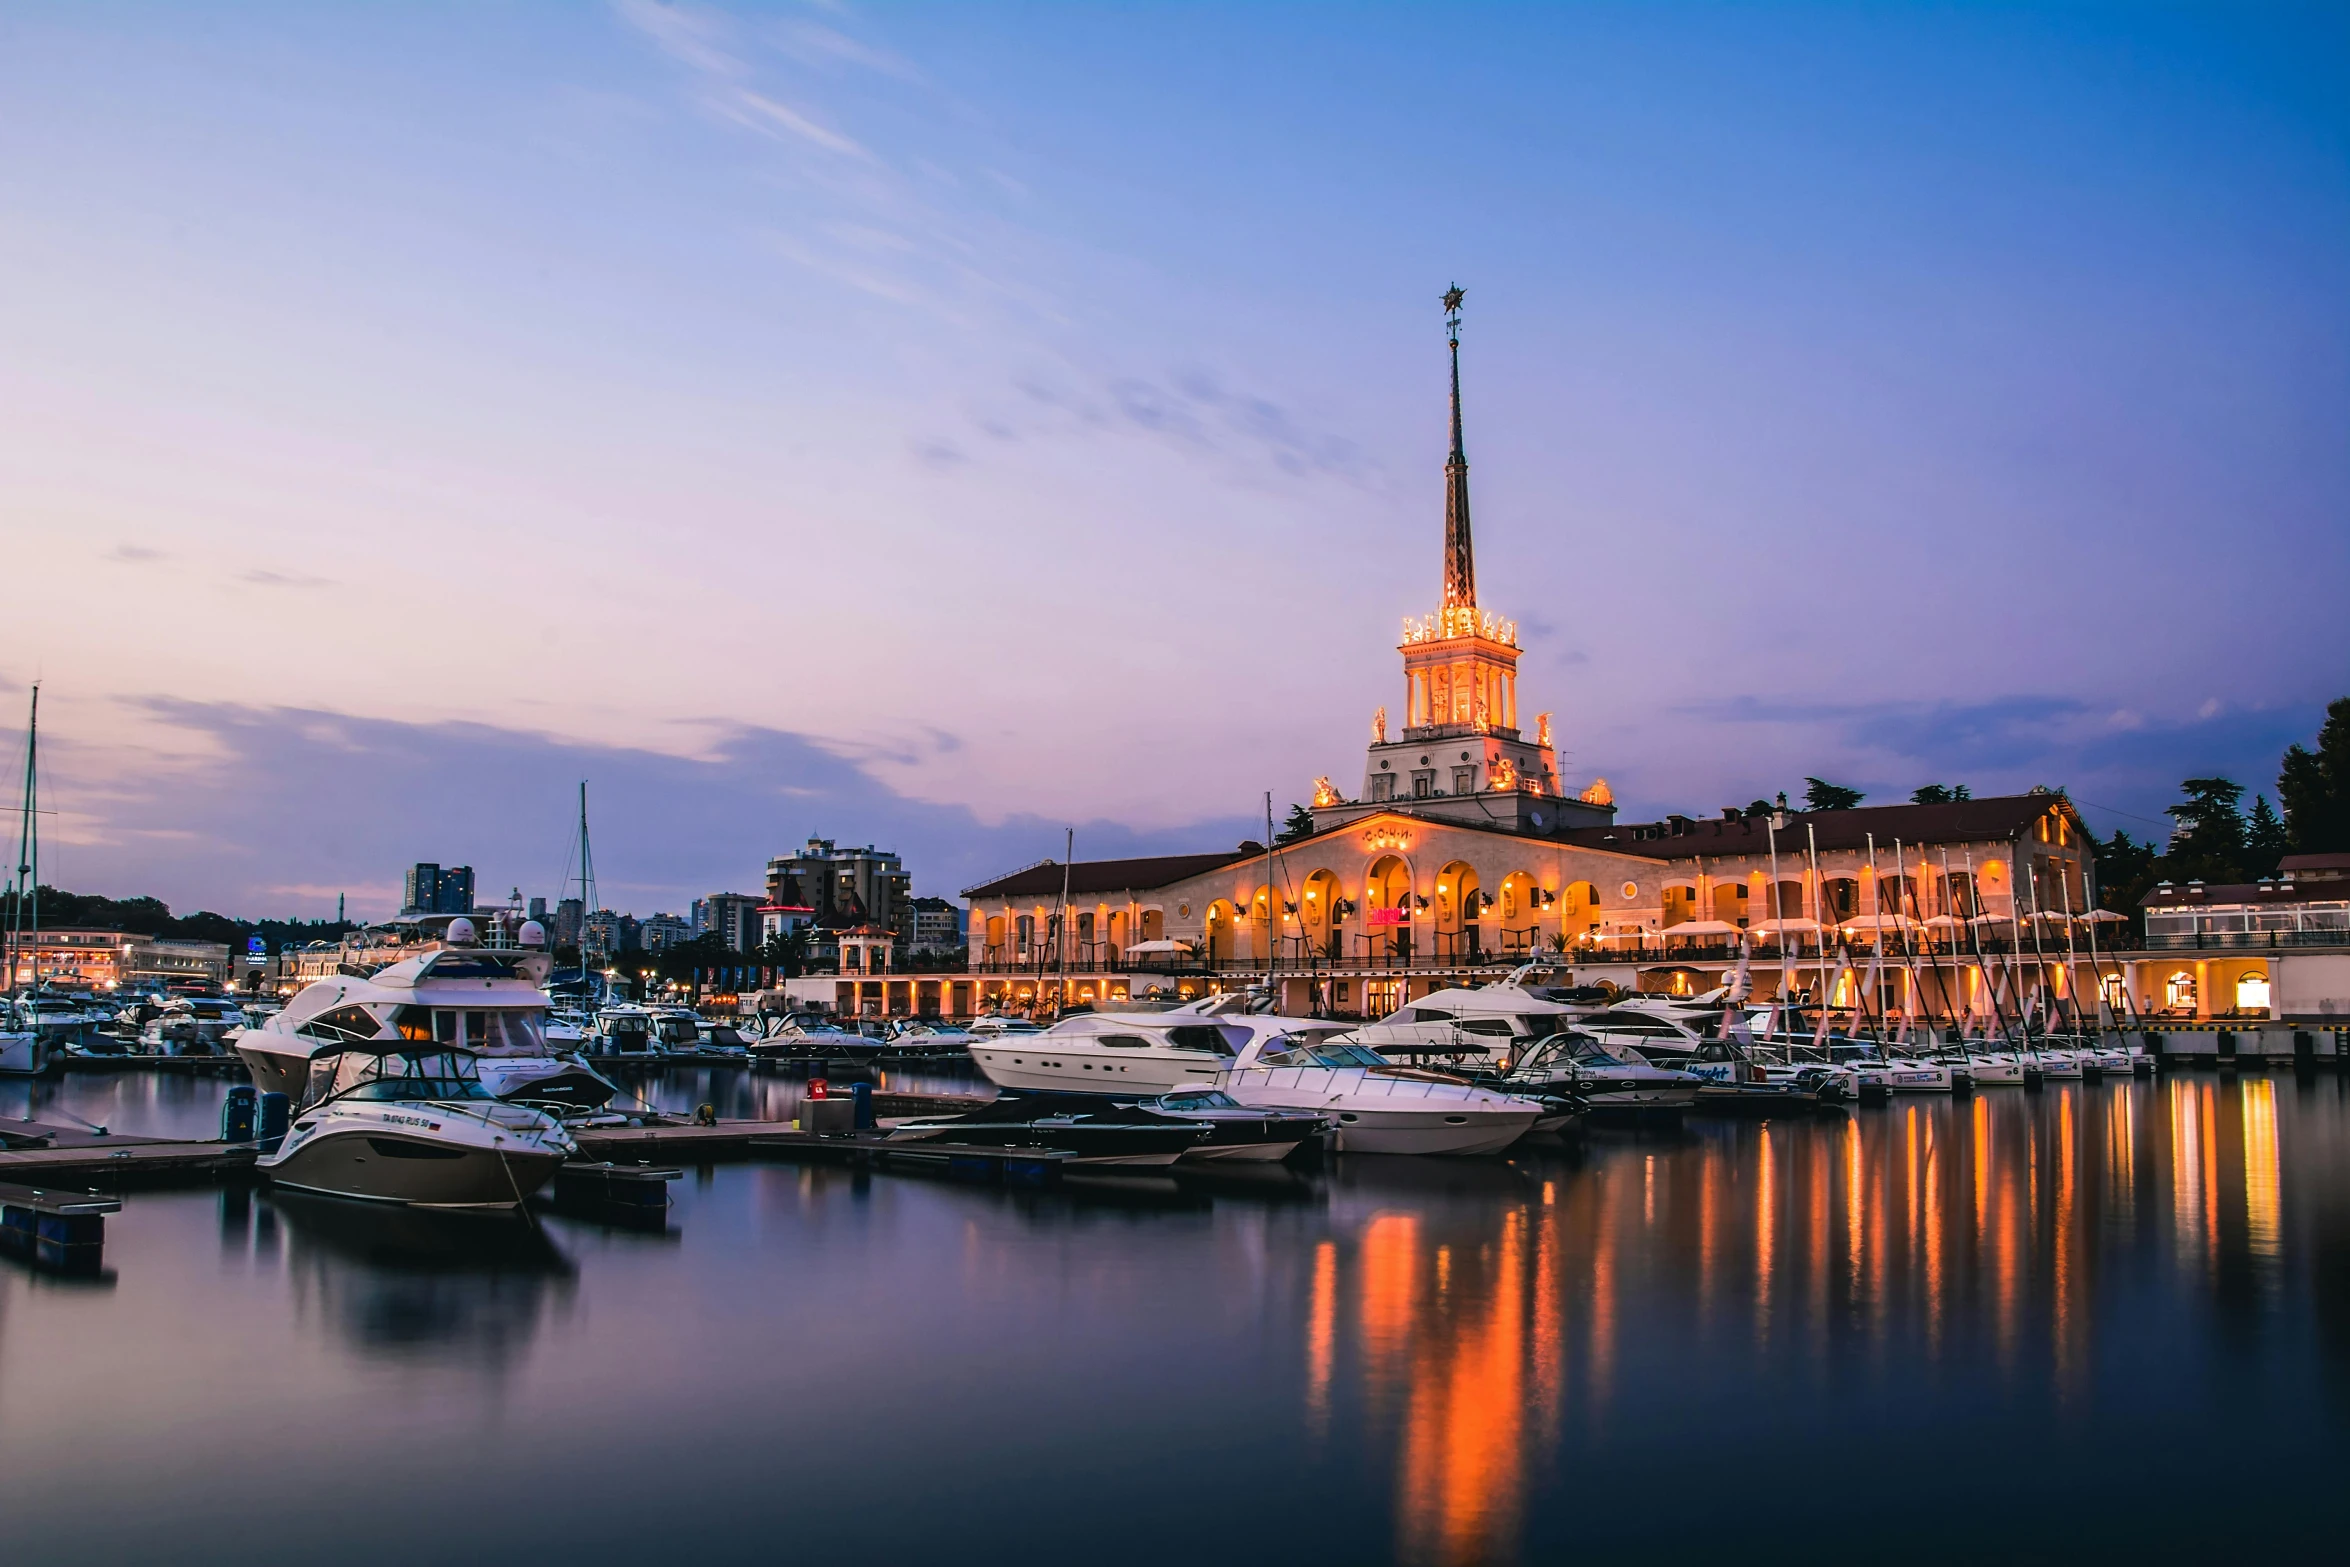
[2178, 992]
[2252, 992]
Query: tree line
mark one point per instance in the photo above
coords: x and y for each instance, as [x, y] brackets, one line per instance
[152, 917]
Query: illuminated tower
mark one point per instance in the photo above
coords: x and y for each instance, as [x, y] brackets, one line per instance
[1460, 732]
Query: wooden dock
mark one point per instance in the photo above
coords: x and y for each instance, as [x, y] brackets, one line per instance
[116, 1162]
[50, 1156]
[182, 1066]
[962, 1161]
[681, 1140]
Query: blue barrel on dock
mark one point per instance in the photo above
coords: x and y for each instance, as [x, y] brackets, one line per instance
[276, 1112]
[236, 1115]
[862, 1093]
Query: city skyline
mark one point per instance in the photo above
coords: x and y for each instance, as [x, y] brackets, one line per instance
[914, 428]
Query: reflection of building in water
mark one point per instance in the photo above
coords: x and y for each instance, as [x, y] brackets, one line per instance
[1457, 1328]
[1479, 1328]
[395, 1281]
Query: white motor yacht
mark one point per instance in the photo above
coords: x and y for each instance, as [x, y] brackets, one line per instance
[1125, 1053]
[1625, 1084]
[401, 1121]
[483, 1001]
[621, 1029]
[805, 1036]
[676, 1030]
[1374, 1105]
[60, 1022]
[1485, 1026]
[988, 1026]
[1662, 1037]
[192, 1026]
[926, 1037]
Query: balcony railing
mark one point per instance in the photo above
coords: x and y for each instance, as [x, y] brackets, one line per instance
[2243, 940]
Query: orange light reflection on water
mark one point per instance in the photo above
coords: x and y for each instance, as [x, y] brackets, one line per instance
[1488, 1322]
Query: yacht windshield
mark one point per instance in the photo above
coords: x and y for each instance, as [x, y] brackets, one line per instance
[1586, 1051]
[1294, 1050]
[434, 1074]
[1199, 1036]
[420, 1088]
[1200, 1099]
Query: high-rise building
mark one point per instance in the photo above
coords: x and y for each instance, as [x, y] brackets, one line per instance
[568, 914]
[938, 926]
[845, 886]
[538, 910]
[420, 889]
[733, 917]
[428, 889]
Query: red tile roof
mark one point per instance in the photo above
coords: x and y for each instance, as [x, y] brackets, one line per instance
[1997, 819]
[1092, 877]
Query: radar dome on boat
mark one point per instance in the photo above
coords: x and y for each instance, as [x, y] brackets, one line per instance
[462, 933]
[532, 934]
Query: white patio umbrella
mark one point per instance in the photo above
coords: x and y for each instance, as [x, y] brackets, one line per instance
[1700, 928]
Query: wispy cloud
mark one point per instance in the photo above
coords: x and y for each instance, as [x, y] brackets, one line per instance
[1193, 409]
[690, 35]
[280, 579]
[812, 43]
[133, 554]
[939, 456]
[766, 116]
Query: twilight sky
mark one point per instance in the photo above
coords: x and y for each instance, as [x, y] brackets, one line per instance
[937, 424]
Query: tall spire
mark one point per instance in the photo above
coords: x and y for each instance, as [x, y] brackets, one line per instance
[1460, 566]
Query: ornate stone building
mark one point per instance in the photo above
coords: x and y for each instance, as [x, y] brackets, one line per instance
[1466, 852]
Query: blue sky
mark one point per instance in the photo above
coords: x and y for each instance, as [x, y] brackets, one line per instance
[938, 424]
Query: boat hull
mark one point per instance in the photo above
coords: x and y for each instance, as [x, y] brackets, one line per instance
[1090, 1148]
[23, 1054]
[1092, 1070]
[1374, 1131]
[545, 1080]
[376, 1165]
[274, 1071]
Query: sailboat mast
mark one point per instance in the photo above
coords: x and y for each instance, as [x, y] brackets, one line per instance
[1779, 920]
[1273, 908]
[28, 853]
[1068, 856]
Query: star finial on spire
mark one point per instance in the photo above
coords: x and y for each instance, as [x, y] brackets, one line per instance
[1452, 309]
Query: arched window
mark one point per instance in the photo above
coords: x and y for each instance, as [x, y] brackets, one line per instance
[2178, 992]
[2252, 991]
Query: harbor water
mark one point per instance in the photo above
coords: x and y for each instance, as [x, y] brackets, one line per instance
[2093, 1320]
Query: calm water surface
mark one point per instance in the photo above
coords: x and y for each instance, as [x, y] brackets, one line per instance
[2050, 1326]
